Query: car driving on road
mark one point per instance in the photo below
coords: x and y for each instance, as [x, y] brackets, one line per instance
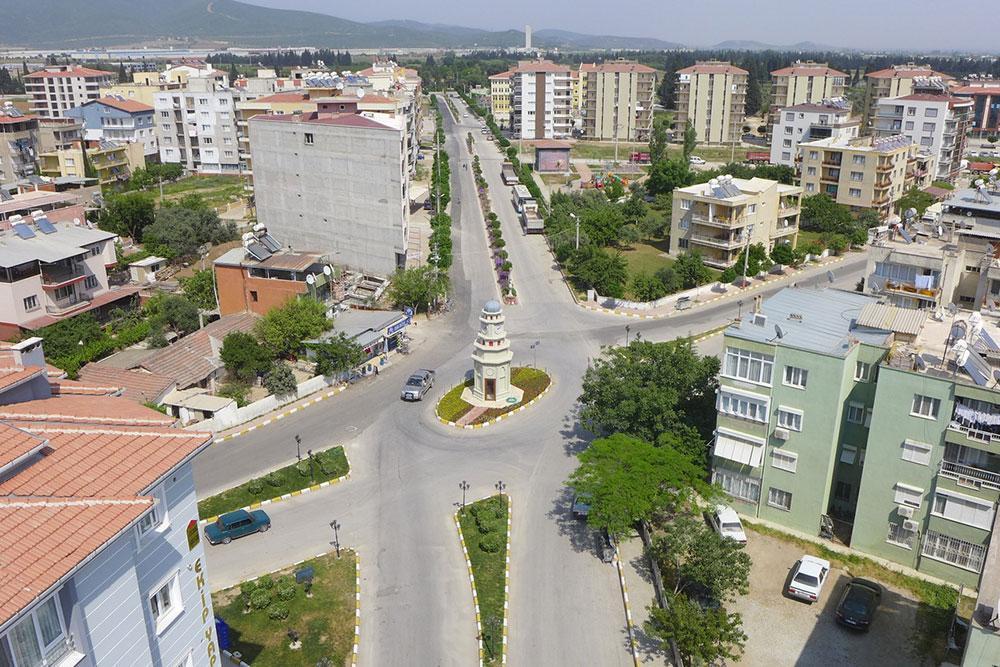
[858, 603]
[233, 525]
[417, 385]
[808, 577]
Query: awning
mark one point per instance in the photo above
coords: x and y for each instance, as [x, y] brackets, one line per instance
[742, 450]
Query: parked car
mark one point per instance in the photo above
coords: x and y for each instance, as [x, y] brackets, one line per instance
[726, 523]
[417, 385]
[581, 505]
[858, 603]
[428, 204]
[233, 525]
[694, 159]
[808, 577]
[420, 156]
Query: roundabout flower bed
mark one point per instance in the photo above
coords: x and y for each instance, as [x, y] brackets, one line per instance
[532, 381]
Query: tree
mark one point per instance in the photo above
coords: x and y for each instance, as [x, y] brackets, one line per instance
[417, 287]
[244, 357]
[634, 210]
[647, 389]
[668, 174]
[869, 218]
[283, 329]
[646, 287]
[337, 354]
[67, 336]
[691, 554]
[613, 189]
[280, 380]
[914, 198]
[122, 75]
[658, 141]
[233, 74]
[628, 480]
[128, 214]
[179, 230]
[690, 140]
[629, 234]
[754, 98]
[702, 636]
[88, 167]
[783, 253]
[690, 270]
[757, 261]
[200, 288]
[820, 213]
[603, 271]
[174, 312]
[992, 138]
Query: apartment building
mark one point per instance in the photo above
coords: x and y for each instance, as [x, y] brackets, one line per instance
[618, 101]
[387, 76]
[58, 133]
[983, 643]
[806, 82]
[541, 100]
[196, 127]
[719, 218]
[901, 453]
[112, 162]
[50, 271]
[57, 88]
[864, 173]
[985, 96]
[937, 123]
[913, 267]
[900, 80]
[711, 94]
[971, 218]
[805, 122]
[335, 182]
[18, 145]
[101, 568]
[500, 97]
[114, 118]
[142, 89]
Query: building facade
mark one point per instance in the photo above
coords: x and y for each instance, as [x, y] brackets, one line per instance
[864, 173]
[58, 133]
[500, 98]
[806, 83]
[618, 102]
[112, 162]
[335, 182]
[712, 96]
[117, 119]
[143, 89]
[541, 100]
[58, 88]
[985, 96]
[800, 123]
[18, 145]
[196, 127]
[938, 124]
[721, 217]
[897, 81]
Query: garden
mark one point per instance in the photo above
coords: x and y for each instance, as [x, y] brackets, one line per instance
[302, 615]
[484, 531]
[532, 381]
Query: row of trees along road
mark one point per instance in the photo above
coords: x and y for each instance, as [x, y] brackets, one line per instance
[652, 406]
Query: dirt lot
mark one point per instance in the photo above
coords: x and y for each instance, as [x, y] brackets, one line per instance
[784, 631]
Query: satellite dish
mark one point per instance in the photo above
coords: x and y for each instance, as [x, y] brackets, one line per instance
[918, 362]
[76, 221]
[311, 279]
[327, 271]
[360, 92]
[909, 213]
[979, 182]
[778, 333]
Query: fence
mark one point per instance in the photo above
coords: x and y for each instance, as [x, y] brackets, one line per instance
[661, 599]
[261, 407]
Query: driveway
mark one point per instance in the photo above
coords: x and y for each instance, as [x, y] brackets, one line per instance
[783, 631]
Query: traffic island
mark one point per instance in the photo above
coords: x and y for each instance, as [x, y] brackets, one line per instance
[313, 472]
[484, 531]
[304, 614]
[453, 410]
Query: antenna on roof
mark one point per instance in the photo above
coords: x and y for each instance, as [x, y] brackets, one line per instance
[778, 332]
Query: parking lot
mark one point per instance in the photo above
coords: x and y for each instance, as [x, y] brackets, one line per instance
[784, 631]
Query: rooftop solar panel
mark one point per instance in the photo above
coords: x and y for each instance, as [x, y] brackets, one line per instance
[45, 225]
[24, 231]
[258, 251]
[270, 243]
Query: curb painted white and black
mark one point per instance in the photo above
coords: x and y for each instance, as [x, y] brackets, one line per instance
[634, 646]
[282, 415]
[506, 415]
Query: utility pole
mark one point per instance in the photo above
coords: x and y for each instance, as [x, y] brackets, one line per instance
[465, 487]
[437, 159]
[573, 215]
[748, 230]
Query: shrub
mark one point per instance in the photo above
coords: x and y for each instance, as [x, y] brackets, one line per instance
[280, 380]
[492, 543]
[486, 524]
[273, 478]
[303, 468]
[286, 593]
[255, 487]
[265, 582]
[278, 612]
[247, 587]
[728, 275]
[260, 599]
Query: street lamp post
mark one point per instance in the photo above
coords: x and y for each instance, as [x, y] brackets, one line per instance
[534, 353]
[573, 215]
[298, 450]
[500, 487]
[627, 330]
[747, 231]
[465, 487]
[336, 535]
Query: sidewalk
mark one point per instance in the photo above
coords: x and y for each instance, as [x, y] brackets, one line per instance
[641, 596]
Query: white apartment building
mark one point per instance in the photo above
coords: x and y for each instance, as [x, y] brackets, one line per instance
[937, 123]
[541, 100]
[196, 127]
[335, 182]
[810, 122]
[57, 88]
[711, 94]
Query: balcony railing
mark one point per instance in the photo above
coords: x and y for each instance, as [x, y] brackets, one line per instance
[54, 276]
[715, 221]
[716, 241]
[970, 475]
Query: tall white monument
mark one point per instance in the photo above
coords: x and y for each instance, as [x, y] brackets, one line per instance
[527, 37]
[491, 357]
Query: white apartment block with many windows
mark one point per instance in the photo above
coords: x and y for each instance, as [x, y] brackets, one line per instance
[197, 127]
[541, 100]
[56, 88]
[938, 124]
[799, 123]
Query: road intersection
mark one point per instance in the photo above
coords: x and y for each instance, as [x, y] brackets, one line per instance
[396, 509]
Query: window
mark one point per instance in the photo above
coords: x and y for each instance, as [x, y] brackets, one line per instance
[925, 406]
[202, 100]
[787, 143]
[926, 141]
[909, 125]
[790, 419]
[95, 251]
[785, 155]
[862, 371]
[911, 111]
[930, 112]
[963, 509]
[750, 366]
[738, 486]
[165, 603]
[227, 141]
[228, 153]
[788, 129]
[810, 187]
[30, 302]
[855, 413]
[916, 452]
[156, 518]
[900, 536]
[952, 550]
[164, 114]
[780, 499]
[789, 116]
[39, 638]
[752, 208]
[90, 282]
[928, 127]
[854, 192]
[207, 140]
[744, 406]
[796, 377]
[784, 460]
[253, 295]
[310, 139]
[813, 155]
[857, 175]
[810, 171]
[848, 454]
[682, 244]
[64, 292]
[907, 495]
[842, 491]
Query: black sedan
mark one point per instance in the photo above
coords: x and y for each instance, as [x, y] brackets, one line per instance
[858, 603]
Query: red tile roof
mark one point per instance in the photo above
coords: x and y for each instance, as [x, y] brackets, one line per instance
[976, 90]
[15, 443]
[12, 376]
[110, 296]
[503, 75]
[804, 69]
[283, 98]
[546, 66]
[136, 385]
[552, 143]
[10, 120]
[85, 410]
[712, 68]
[85, 72]
[130, 106]
[903, 73]
[64, 387]
[623, 67]
[195, 357]
[981, 166]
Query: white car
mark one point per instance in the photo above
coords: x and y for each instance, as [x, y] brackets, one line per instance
[694, 159]
[726, 523]
[808, 577]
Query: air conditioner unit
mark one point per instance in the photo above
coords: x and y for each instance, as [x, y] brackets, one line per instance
[911, 526]
[905, 512]
[781, 434]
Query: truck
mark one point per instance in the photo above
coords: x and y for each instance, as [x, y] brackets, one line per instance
[508, 174]
[527, 209]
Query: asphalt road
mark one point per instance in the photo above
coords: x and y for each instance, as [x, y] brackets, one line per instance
[397, 507]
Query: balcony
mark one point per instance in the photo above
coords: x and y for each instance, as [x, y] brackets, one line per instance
[59, 276]
[784, 230]
[970, 476]
[714, 221]
[716, 241]
[909, 289]
[786, 211]
[69, 304]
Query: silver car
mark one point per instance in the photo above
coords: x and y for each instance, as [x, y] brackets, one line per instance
[417, 385]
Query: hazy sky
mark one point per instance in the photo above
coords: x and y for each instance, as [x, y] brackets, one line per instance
[866, 24]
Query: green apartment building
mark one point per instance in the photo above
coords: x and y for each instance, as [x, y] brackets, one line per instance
[831, 403]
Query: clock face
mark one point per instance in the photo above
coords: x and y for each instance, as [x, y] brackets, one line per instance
[490, 372]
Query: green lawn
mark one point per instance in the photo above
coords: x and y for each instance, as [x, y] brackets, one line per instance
[647, 256]
[484, 524]
[451, 407]
[324, 622]
[605, 150]
[532, 381]
[216, 190]
[328, 464]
